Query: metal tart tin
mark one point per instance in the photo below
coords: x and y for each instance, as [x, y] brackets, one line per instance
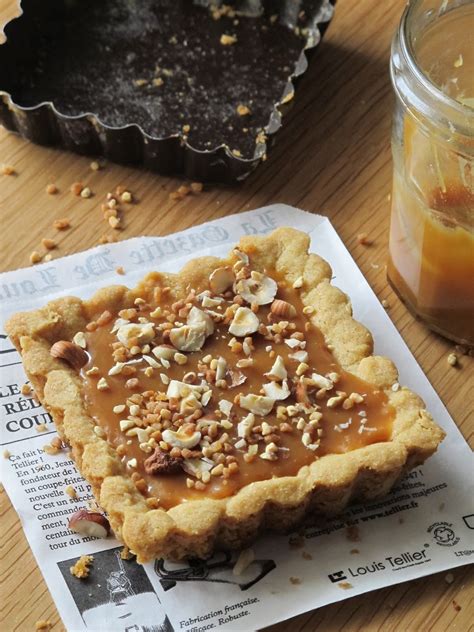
[78, 126]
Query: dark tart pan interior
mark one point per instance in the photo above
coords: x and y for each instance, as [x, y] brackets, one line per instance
[150, 81]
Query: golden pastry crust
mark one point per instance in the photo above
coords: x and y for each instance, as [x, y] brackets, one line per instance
[198, 527]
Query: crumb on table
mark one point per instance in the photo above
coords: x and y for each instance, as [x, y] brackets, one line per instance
[345, 585]
[295, 581]
[43, 625]
[81, 567]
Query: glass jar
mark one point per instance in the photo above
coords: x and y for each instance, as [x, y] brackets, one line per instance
[431, 262]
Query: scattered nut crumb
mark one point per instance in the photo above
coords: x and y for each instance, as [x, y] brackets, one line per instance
[49, 244]
[61, 224]
[363, 239]
[43, 626]
[26, 389]
[228, 40]
[452, 359]
[107, 239]
[6, 454]
[51, 189]
[126, 197]
[76, 188]
[157, 81]
[35, 257]
[449, 578]
[385, 303]
[70, 491]
[86, 193]
[186, 128]
[196, 187]
[139, 83]
[306, 556]
[114, 222]
[120, 270]
[243, 110]
[354, 551]
[237, 153]
[81, 567]
[7, 170]
[48, 257]
[345, 585]
[41, 428]
[456, 606]
[459, 61]
[95, 165]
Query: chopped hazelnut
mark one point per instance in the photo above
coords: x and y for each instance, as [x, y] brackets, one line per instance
[61, 224]
[7, 170]
[51, 189]
[49, 244]
[76, 188]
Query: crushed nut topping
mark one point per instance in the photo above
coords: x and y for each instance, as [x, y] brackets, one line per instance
[222, 385]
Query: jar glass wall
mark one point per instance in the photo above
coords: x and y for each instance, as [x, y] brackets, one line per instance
[431, 263]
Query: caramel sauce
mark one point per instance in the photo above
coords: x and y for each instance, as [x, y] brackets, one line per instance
[431, 262]
[171, 489]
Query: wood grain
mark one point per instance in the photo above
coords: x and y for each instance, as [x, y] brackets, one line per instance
[332, 156]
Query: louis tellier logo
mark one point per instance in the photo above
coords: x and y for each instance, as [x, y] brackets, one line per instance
[391, 563]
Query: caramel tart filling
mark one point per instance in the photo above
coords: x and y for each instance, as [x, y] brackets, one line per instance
[230, 385]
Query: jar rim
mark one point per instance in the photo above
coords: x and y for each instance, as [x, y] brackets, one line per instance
[462, 109]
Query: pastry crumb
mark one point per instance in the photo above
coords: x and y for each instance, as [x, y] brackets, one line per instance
[345, 585]
[81, 567]
[196, 187]
[126, 554]
[120, 270]
[6, 454]
[26, 389]
[70, 491]
[452, 359]
[296, 581]
[43, 625]
[41, 428]
[385, 303]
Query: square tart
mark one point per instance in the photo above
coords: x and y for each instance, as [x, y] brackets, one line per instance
[235, 396]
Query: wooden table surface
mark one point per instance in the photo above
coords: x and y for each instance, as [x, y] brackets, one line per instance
[333, 157]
